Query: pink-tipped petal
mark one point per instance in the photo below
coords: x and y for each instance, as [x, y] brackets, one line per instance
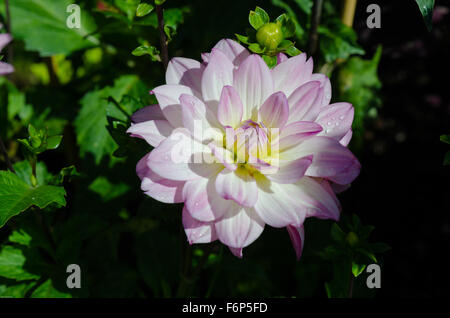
[224, 156]
[274, 113]
[292, 171]
[5, 38]
[297, 235]
[237, 185]
[331, 160]
[197, 231]
[164, 190]
[281, 57]
[217, 74]
[235, 52]
[325, 84]
[305, 102]
[292, 73]
[253, 83]
[347, 138]
[152, 112]
[278, 204]
[295, 133]
[152, 131]
[202, 200]
[336, 120]
[185, 72]
[179, 157]
[239, 228]
[230, 107]
[236, 251]
[6, 68]
[318, 198]
[168, 97]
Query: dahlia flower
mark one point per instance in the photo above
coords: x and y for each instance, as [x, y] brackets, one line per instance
[243, 145]
[5, 68]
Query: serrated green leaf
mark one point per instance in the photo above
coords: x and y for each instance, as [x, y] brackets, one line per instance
[12, 263]
[16, 291]
[426, 8]
[16, 196]
[338, 41]
[46, 290]
[143, 9]
[287, 25]
[42, 26]
[90, 124]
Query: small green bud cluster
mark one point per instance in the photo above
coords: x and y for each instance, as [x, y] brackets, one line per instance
[269, 38]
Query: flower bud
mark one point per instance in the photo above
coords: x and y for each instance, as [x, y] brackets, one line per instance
[269, 35]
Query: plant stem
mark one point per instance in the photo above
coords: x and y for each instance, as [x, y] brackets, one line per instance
[352, 280]
[348, 12]
[162, 36]
[315, 21]
[8, 29]
[5, 155]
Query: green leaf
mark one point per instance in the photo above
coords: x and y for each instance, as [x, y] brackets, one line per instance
[12, 263]
[293, 51]
[426, 8]
[357, 269]
[159, 2]
[299, 31]
[287, 25]
[90, 124]
[46, 290]
[143, 9]
[337, 234]
[338, 41]
[42, 26]
[305, 5]
[271, 61]
[17, 196]
[256, 48]
[23, 171]
[445, 138]
[108, 190]
[242, 38]
[147, 50]
[16, 291]
[53, 142]
[447, 159]
[258, 18]
[358, 84]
